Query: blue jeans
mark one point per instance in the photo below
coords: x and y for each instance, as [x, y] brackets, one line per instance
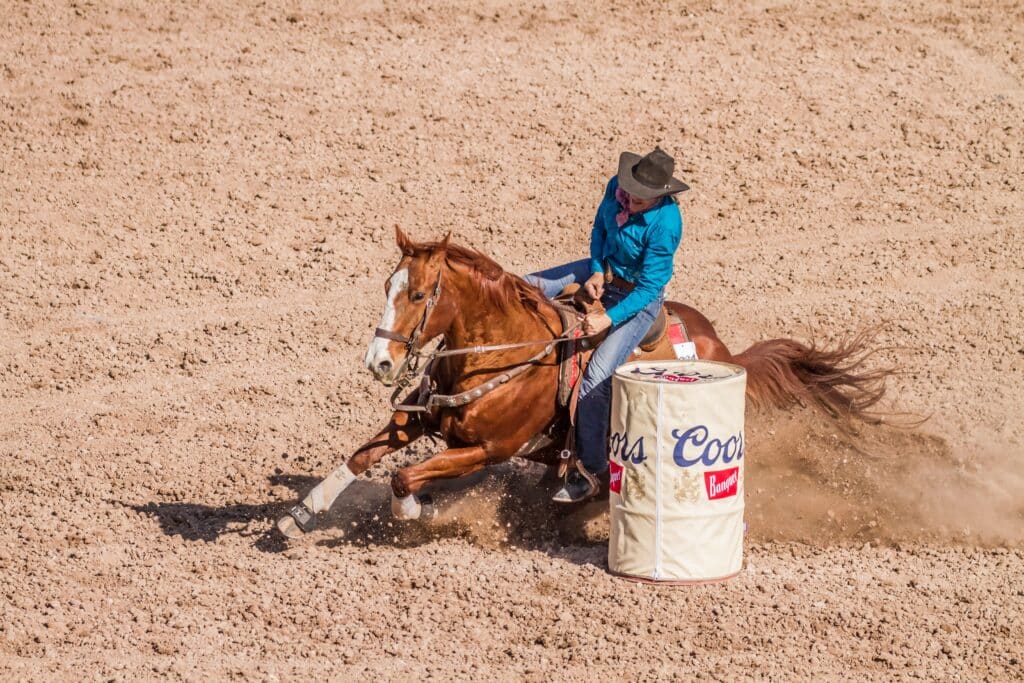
[594, 407]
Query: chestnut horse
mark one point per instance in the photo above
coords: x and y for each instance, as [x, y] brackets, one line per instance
[445, 290]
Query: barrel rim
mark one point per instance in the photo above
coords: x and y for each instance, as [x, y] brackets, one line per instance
[622, 371]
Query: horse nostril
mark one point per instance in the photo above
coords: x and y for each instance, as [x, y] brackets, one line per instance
[384, 367]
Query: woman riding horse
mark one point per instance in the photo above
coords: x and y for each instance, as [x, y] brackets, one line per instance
[500, 355]
[636, 232]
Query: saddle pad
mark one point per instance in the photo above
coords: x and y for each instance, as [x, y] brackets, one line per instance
[572, 357]
[681, 344]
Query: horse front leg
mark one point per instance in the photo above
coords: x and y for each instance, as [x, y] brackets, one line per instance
[448, 464]
[400, 431]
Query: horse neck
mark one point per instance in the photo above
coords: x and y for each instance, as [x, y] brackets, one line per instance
[480, 321]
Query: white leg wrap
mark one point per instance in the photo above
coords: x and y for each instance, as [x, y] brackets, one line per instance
[405, 508]
[326, 492]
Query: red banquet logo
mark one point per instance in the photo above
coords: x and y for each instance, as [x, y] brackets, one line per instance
[722, 483]
[683, 379]
[615, 477]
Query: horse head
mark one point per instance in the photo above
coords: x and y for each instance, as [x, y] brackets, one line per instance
[415, 311]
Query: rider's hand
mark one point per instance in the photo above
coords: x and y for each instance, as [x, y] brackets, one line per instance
[596, 322]
[594, 286]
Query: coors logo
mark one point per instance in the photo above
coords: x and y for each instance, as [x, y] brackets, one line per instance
[722, 483]
[696, 445]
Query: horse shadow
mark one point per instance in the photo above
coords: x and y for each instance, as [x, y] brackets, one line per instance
[504, 507]
[207, 523]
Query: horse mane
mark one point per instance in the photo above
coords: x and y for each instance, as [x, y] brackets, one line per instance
[503, 289]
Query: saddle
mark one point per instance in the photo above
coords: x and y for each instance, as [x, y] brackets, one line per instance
[574, 355]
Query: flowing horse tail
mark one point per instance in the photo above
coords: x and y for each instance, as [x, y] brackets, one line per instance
[786, 372]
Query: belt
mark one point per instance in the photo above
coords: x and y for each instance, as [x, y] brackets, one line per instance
[619, 283]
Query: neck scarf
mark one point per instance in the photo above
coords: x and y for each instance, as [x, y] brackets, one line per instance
[623, 215]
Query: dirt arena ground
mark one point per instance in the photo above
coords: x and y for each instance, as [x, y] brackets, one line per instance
[196, 204]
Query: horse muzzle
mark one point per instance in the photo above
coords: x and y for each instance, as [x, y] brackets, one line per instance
[387, 370]
[381, 363]
[384, 371]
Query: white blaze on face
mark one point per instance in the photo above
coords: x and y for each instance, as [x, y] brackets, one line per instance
[378, 352]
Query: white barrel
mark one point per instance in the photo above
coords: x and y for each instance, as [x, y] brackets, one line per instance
[676, 458]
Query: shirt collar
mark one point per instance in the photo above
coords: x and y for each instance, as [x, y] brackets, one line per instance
[641, 217]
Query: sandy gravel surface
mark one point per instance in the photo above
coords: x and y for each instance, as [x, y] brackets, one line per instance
[196, 205]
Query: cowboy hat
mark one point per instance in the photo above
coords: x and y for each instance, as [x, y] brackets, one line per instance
[650, 176]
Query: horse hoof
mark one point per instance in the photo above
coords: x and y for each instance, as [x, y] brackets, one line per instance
[427, 510]
[298, 521]
[406, 508]
[288, 528]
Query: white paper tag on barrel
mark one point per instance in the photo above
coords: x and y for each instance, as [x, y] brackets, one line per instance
[676, 449]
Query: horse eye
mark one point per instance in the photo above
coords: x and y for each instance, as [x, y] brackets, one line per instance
[418, 296]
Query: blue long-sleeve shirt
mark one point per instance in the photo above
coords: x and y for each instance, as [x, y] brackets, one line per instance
[641, 251]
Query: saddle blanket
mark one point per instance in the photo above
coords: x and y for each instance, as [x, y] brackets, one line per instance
[681, 345]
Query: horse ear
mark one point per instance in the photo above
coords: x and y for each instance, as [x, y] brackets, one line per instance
[405, 245]
[443, 245]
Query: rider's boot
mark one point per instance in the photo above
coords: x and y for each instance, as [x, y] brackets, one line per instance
[579, 486]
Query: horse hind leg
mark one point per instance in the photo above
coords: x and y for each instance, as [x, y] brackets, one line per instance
[448, 464]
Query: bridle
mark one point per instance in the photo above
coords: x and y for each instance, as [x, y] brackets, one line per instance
[412, 354]
[417, 364]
